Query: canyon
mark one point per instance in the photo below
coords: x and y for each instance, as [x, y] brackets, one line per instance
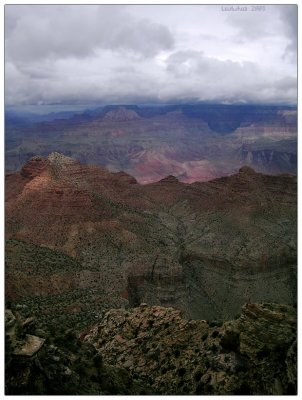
[196, 142]
[151, 216]
[114, 287]
[81, 238]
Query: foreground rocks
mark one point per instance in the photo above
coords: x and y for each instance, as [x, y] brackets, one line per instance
[60, 365]
[254, 354]
[153, 350]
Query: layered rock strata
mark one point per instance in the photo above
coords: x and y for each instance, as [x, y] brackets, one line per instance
[204, 248]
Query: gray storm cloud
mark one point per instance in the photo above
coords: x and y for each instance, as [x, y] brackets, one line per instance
[63, 31]
[289, 17]
[112, 54]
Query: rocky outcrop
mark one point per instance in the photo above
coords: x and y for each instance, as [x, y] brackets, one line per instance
[246, 170]
[169, 179]
[57, 364]
[154, 350]
[33, 167]
[254, 354]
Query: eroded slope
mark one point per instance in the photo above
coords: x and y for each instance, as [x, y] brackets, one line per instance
[204, 248]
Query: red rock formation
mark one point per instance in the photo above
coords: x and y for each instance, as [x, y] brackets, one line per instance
[157, 241]
[34, 167]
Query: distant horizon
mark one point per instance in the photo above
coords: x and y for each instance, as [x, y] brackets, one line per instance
[52, 108]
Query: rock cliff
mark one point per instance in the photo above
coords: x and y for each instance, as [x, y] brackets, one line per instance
[254, 354]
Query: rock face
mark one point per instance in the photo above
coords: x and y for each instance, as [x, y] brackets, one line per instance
[57, 365]
[204, 248]
[254, 354]
[274, 159]
[33, 167]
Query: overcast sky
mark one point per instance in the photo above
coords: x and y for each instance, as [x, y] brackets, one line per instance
[63, 54]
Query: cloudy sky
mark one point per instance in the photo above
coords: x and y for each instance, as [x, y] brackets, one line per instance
[64, 54]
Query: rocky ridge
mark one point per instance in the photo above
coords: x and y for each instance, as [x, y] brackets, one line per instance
[254, 354]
